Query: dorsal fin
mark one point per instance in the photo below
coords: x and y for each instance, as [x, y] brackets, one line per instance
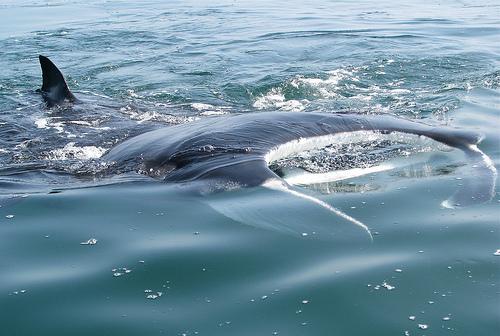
[54, 88]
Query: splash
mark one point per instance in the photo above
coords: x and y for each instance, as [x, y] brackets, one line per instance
[209, 110]
[275, 98]
[71, 151]
[307, 88]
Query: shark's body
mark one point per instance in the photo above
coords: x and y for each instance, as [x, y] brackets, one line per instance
[237, 149]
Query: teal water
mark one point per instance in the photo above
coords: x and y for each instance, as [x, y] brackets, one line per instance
[172, 264]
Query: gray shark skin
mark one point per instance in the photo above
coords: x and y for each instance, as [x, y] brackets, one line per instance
[234, 151]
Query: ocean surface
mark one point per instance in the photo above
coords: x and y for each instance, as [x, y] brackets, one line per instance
[86, 254]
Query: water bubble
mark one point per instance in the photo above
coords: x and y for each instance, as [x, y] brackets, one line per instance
[120, 271]
[151, 296]
[22, 291]
[387, 286]
[91, 241]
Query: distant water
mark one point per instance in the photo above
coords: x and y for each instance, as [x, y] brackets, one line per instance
[125, 255]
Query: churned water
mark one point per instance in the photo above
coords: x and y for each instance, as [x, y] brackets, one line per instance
[83, 254]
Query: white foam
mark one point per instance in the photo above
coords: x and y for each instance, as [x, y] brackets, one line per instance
[209, 110]
[212, 113]
[141, 117]
[49, 123]
[133, 94]
[70, 151]
[41, 123]
[202, 106]
[276, 99]
[329, 87]
[90, 125]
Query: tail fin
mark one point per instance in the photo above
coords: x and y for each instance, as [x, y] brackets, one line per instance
[54, 88]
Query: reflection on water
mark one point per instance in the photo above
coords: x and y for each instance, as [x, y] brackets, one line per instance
[343, 187]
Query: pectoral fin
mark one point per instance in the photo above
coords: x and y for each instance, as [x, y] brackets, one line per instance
[279, 207]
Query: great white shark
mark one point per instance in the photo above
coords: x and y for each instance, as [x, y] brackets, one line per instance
[236, 150]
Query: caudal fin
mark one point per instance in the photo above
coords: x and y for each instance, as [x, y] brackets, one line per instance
[54, 88]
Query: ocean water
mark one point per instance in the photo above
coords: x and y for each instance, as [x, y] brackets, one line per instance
[84, 254]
